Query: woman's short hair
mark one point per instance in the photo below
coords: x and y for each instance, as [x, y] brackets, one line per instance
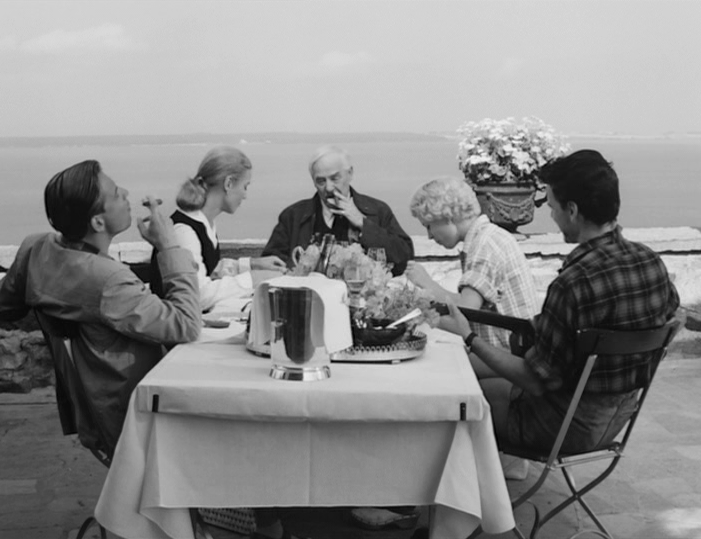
[444, 198]
[72, 198]
[217, 165]
[587, 179]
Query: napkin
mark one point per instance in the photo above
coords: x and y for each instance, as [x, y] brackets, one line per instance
[329, 311]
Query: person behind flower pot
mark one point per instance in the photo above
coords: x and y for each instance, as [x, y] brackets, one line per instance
[495, 272]
[338, 209]
[219, 186]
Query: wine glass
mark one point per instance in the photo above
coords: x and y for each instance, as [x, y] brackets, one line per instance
[378, 255]
[355, 277]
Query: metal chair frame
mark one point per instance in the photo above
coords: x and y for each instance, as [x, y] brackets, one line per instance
[75, 411]
[592, 343]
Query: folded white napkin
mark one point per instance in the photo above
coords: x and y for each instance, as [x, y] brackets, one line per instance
[329, 311]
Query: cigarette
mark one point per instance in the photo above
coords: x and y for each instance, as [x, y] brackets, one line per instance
[147, 202]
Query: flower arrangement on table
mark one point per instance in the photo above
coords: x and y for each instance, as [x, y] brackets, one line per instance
[501, 160]
[374, 296]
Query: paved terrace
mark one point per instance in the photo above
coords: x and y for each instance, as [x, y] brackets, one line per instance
[49, 483]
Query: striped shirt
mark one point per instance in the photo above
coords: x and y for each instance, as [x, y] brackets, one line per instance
[494, 266]
[607, 283]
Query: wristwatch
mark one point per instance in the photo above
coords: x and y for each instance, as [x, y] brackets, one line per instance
[468, 341]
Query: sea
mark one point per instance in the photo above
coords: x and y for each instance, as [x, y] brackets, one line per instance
[660, 177]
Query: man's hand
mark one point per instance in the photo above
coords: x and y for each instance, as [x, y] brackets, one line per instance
[346, 207]
[269, 263]
[156, 228]
[417, 274]
[455, 322]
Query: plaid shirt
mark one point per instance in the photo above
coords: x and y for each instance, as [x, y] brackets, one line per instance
[606, 283]
[494, 265]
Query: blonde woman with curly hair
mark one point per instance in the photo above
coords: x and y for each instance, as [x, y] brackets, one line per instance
[219, 186]
[495, 273]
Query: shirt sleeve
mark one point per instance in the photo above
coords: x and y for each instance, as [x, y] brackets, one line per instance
[554, 340]
[132, 309]
[212, 291]
[482, 274]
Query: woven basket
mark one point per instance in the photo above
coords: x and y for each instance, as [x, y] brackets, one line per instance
[240, 520]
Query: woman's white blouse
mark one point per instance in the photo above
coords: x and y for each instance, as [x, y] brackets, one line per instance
[213, 291]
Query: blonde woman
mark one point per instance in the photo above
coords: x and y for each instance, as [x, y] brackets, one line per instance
[219, 186]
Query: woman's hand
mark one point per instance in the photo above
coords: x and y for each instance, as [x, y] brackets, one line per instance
[269, 263]
[417, 274]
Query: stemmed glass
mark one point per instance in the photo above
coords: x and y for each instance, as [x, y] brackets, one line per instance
[378, 254]
[355, 279]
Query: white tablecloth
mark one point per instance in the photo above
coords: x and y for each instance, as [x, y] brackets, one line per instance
[228, 435]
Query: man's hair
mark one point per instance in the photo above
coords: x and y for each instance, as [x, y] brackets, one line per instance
[217, 165]
[72, 198]
[587, 179]
[444, 198]
[328, 150]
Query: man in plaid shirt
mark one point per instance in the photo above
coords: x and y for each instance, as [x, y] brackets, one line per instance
[605, 282]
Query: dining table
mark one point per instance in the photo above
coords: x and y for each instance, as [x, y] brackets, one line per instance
[209, 427]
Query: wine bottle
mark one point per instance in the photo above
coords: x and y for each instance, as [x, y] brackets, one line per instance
[327, 244]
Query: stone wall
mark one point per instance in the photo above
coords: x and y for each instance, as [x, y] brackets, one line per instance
[25, 363]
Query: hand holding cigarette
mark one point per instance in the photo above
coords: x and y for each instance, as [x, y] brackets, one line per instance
[149, 201]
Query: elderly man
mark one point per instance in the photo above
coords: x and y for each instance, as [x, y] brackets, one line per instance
[338, 209]
[606, 282]
[122, 326]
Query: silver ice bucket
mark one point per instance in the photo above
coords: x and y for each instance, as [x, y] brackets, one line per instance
[297, 345]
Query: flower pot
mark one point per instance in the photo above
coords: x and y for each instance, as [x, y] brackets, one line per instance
[508, 205]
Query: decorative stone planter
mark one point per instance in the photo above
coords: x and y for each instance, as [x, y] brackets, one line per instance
[508, 205]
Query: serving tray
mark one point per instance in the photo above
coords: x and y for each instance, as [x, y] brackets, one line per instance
[400, 351]
[411, 348]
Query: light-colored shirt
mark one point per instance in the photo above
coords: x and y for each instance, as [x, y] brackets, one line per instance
[494, 266]
[236, 283]
[122, 325]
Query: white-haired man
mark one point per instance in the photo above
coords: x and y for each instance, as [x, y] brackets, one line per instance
[336, 208]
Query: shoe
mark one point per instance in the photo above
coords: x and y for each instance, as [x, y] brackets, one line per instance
[514, 467]
[376, 518]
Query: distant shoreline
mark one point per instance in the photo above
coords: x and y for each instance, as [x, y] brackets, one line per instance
[204, 139]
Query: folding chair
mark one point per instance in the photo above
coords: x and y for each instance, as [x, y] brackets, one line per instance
[592, 343]
[74, 409]
[73, 406]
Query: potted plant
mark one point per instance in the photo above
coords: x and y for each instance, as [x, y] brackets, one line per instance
[501, 159]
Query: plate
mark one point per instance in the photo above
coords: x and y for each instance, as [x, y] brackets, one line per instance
[400, 351]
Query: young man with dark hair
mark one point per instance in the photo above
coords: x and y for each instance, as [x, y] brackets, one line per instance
[122, 326]
[606, 282]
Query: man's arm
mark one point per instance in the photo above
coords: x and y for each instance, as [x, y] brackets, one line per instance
[13, 285]
[279, 242]
[508, 366]
[132, 309]
[129, 306]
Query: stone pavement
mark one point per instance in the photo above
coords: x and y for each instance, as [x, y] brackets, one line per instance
[49, 483]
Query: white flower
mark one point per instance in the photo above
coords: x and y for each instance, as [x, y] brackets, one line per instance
[507, 150]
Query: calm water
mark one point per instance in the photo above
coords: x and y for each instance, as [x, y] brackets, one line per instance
[660, 178]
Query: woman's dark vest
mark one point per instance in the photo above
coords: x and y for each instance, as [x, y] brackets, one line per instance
[210, 253]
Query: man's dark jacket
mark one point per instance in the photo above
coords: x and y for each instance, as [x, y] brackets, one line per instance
[380, 229]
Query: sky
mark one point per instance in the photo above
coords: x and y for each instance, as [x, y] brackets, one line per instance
[155, 67]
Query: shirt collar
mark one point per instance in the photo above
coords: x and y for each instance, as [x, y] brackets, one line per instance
[613, 236]
[200, 217]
